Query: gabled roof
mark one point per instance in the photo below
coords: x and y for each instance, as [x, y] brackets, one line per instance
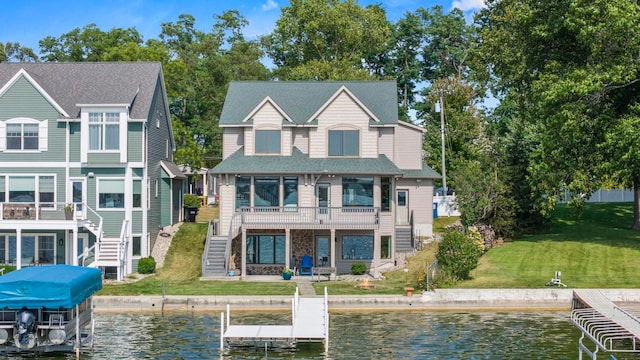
[172, 170]
[301, 100]
[69, 84]
[299, 163]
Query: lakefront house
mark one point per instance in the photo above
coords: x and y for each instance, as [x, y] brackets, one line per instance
[319, 172]
[86, 157]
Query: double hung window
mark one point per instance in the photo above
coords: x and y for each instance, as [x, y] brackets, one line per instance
[22, 136]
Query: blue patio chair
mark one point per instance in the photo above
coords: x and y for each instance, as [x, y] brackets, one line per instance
[306, 266]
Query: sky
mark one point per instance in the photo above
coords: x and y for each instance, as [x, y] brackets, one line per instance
[29, 21]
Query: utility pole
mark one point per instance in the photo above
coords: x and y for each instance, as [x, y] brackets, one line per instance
[444, 171]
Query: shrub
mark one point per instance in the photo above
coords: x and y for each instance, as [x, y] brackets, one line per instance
[358, 268]
[457, 255]
[147, 265]
[191, 200]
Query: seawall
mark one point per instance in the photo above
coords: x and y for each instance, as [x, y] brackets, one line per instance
[442, 299]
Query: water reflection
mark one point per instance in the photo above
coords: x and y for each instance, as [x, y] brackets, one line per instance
[353, 335]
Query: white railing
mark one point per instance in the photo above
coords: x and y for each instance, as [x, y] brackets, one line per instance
[353, 217]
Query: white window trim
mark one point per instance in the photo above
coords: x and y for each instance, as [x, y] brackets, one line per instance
[36, 190]
[36, 244]
[124, 194]
[43, 133]
[122, 130]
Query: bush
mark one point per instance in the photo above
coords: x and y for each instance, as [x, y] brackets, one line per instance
[191, 200]
[147, 265]
[358, 268]
[457, 255]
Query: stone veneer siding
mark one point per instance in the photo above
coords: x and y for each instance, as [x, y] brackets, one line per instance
[301, 244]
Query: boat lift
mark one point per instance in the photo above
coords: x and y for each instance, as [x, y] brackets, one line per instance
[610, 327]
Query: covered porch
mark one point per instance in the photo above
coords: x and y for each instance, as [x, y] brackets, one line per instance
[271, 239]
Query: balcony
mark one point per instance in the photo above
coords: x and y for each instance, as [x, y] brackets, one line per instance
[35, 211]
[294, 217]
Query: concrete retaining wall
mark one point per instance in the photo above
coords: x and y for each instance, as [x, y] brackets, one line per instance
[442, 299]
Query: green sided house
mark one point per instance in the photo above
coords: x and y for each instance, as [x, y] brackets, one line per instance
[86, 164]
[320, 175]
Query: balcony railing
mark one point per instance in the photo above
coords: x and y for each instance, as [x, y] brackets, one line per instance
[295, 217]
[47, 211]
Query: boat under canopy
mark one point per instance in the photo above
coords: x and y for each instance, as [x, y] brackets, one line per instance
[52, 287]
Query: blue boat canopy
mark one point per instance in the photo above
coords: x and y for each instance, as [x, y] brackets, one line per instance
[53, 287]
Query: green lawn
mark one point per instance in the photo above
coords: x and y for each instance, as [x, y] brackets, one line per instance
[598, 250]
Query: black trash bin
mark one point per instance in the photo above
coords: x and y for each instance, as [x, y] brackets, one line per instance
[190, 213]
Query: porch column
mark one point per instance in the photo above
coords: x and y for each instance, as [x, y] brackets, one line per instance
[243, 251]
[376, 253]
[74, 249]
[332, 241]
[287, 248]
[19, 249]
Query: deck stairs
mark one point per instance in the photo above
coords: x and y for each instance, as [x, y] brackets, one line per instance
[214, 262]
[108, 251]
[403, 239]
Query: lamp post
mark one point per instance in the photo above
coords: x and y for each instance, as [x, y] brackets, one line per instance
[444, 171]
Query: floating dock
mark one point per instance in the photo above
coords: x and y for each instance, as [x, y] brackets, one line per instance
[610, 327]
[310, 323]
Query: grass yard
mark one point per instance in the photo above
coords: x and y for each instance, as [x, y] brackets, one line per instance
[181, 273]
[597, 250]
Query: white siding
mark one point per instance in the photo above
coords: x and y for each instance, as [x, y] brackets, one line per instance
[342, 114]
[385, 142]
[227, 207]
[232, 140]
[267, 117]
[285, 146]
[301, 139]
[307, 194]
[248, 141]
[408, 148]
[420, 202]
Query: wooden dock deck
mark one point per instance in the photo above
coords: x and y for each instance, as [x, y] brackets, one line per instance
[310, 323]
[610, 327]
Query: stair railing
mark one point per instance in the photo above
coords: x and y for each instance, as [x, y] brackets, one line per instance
[207, 244]
[123, 245]
[413, 237]
[234, 230]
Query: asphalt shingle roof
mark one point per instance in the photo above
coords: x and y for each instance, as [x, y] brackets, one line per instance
[299, 163]
[70, 83]
[301, 99]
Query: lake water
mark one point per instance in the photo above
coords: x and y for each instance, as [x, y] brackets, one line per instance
[353, 335]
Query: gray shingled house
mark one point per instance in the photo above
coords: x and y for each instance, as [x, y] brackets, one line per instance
[317, 169]
[86, 153]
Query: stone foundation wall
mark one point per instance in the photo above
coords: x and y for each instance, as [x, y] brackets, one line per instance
[301, 244]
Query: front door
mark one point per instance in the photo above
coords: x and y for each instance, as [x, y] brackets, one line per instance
[83, 243]
[402, 206]
[78, 196]
[322, 251]
[323, 195]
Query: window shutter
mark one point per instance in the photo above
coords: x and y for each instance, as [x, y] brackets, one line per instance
[43, 135]
[3, 136]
